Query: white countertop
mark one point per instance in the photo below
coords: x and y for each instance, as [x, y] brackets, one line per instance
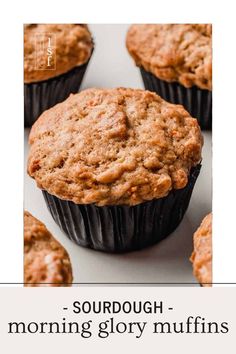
[166, 262]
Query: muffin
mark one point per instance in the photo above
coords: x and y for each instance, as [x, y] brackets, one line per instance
[117, 166]
[176, 62]
[202, 253]
[46, 262]
[55, 60]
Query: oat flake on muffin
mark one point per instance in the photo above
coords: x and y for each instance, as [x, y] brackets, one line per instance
[114, 146]
[174, 52]
[202, 254]
[46, 262]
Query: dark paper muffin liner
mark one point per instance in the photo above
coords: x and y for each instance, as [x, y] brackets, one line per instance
[196, 101]
[39, 96]
[122, 228]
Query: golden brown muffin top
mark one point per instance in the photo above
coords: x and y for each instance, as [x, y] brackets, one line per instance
[174, 52]
[202, 253]
[113, 146]
[46, 262]
[71, 46]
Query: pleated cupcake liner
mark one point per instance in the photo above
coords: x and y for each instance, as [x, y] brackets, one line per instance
[43, 95]
[122, 228]
[196, 101]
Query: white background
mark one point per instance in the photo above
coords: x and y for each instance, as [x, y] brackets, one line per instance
[11, 139]
[166, 262]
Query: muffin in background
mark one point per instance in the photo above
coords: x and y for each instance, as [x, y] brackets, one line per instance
[55, 60]
[176, 62]
[118, 168]
[202, 252]
[46, 262]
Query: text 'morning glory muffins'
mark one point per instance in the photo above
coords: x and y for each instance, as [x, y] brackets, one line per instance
[176, 62]
[202, 252]
[46, 262]
[55, 60]
[117, 166]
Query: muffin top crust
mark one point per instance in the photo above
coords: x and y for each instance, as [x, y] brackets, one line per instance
[46, 262]
[174, 52]
[113, 146]
[71, 46]
[202, 254]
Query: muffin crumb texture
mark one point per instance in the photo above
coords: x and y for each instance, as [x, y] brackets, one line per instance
[174, 52]
[113, 146]
[46, 262]
[202, 254]
[71, 45]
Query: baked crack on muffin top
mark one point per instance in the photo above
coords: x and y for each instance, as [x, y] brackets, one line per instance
[113, 146]
[73, 47]
[174, 52]
[46, 262]
[202, 254]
